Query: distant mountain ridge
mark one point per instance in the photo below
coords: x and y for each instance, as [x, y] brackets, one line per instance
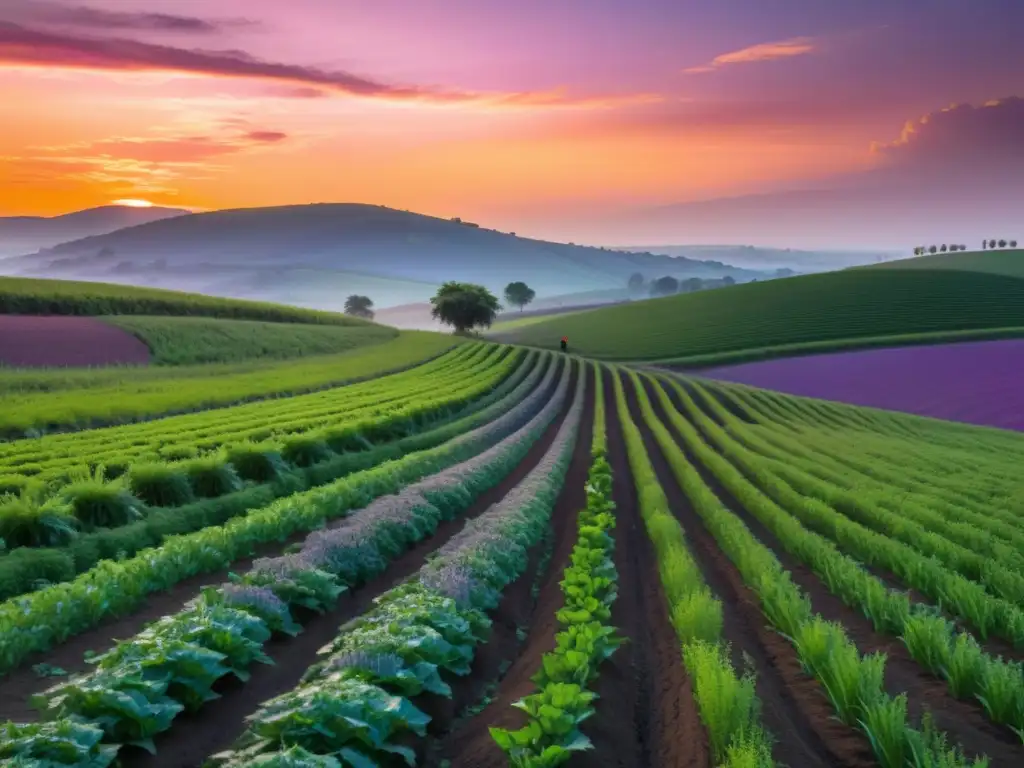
[316, 255]
[24, 234]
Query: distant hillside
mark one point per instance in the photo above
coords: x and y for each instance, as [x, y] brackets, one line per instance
[769, 259]
[315, 255]
[1009, 262]
[857, 307]
[25, 234]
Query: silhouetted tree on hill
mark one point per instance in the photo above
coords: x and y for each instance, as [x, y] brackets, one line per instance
[519, 294]
[691, 284]
[942, 248]
[359, 306]
[1013, 243]
[932, 249]
[991, 243]
[636, 282]
[728, 280]
[464, 306]
[1002, 243]
[664, 286]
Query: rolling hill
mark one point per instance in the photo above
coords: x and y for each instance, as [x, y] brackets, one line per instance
[858, 307]
[315, 255]
[24, 234]
[1009, 262]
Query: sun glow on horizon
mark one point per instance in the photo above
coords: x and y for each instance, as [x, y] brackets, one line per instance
[133, 203]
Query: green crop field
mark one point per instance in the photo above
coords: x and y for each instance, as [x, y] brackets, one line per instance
[1008, 262]
[475, 554]
[196, 340]
[30, 296]
[828, 311]
[48, 400]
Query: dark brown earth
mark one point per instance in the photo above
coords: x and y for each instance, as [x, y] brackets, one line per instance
[36, 341]
[795, 708]
[963, 721]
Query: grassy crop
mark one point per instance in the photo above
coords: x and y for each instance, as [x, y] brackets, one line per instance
[39, 402]
[837, 309]
[199, 340]
[33, 296]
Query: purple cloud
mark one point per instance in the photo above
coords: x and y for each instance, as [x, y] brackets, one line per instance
[105, 20]
[989, 137]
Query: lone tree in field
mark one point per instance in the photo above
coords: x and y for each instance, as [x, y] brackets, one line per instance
[1002, 243]
[1013, 243]
[942, 248]
[519, 294]
[932, 249]
[691, 284]
[359, 306]
[464, 306]
[636, 282]
[664, 286]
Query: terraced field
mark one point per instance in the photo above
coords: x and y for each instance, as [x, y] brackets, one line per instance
[511, 557]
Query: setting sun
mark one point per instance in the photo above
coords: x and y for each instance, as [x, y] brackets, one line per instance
[130, 203]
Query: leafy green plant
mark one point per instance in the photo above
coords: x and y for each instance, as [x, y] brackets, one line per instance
[212, 476]
[101, 505]
[52, 744]
[258, 462]
[23, 523]
[160, 485]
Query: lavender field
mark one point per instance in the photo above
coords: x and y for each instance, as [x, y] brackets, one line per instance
[973, 382]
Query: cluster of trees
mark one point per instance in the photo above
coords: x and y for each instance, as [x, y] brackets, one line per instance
[921, 250]
[991, 244]
[669, 286]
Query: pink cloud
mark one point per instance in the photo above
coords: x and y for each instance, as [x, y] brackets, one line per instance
[783, 49]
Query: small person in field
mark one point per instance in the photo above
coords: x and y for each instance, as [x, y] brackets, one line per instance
[565, 343]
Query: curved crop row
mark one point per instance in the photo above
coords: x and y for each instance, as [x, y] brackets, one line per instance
[183, 436]
[361, 697]
[967, 599]
[80, 498]
[140, 685]
[27, 569]
[932, 640]
[728, 704]
[853, 683]
[117, 588]
[35, 403]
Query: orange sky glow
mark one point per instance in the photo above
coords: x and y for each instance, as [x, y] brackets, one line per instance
[139, 111]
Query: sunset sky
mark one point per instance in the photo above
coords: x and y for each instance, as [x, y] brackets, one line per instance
[519, 114]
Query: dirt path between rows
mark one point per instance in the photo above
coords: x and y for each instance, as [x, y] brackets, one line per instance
[964, 721]
[219, 723]
[646, 714]
[469, 744]
[21, 683]
[795, 709]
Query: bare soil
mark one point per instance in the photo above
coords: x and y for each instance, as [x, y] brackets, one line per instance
[37, 341]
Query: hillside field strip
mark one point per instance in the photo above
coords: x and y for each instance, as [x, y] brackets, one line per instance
[809, 313]
[513, 557]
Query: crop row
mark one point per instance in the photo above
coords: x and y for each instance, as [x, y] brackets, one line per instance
[53, 514]
[190, 435]
[589, 587]
[358, 704]
[853, 683]
[975, 533]
[931, 639]
[25, 569]
[35, 403]
[728, 705]
[966, 599]
[855, 467]
[141, 684]
[49, 616]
